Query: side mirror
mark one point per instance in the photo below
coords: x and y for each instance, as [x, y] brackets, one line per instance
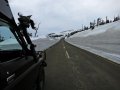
[42, 54]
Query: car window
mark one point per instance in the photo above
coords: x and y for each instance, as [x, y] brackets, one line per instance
[7, 39]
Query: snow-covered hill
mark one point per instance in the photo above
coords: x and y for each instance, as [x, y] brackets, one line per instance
[103, 40]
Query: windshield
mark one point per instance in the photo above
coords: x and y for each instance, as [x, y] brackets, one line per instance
[7, 39]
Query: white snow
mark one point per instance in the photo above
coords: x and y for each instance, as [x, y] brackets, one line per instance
[103, 40]
[44, 43]
[39, 37]
[98, 30]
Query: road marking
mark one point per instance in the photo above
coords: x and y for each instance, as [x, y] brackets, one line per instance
[67, 55]
[63, 46]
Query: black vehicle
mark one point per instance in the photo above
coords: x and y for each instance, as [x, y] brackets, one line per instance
[21, 67]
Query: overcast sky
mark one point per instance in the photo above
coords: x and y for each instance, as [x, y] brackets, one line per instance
[60, 15]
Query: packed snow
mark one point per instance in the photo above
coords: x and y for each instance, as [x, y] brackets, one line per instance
[104, 40]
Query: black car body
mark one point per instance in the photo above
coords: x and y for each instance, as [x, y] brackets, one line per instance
[20, 67]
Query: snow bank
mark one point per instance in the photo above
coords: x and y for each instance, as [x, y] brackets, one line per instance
[44, 43]
[103, 40]
[98, 30]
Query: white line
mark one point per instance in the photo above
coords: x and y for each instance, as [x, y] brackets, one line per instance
[63, 46]
[67, 55]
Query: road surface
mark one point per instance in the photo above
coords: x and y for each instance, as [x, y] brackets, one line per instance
[71, 68]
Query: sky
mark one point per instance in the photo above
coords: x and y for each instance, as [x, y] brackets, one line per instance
[56, 16]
